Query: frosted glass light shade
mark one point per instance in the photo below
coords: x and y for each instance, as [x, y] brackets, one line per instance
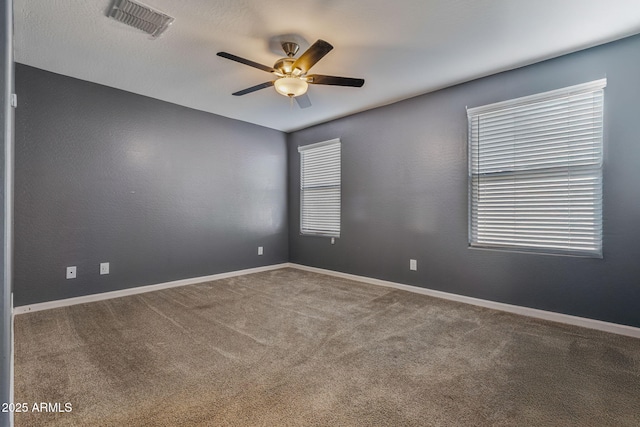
[291, 86]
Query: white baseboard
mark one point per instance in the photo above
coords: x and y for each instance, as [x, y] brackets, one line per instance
[524, 311]
[140, 289]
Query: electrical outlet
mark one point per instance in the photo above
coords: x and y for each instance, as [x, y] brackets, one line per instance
[71, 272]
[104, 268]
[260, 250]
[413, 265]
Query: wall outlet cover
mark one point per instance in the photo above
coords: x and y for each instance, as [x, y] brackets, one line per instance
[104, 268]
[413, 265]
[260, 250]
[71, 272]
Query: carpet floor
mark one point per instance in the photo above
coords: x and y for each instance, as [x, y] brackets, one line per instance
[293, 348]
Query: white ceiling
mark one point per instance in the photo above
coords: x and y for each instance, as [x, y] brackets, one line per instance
[401, 48]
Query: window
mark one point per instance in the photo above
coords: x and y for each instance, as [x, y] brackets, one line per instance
[535, 172]
[320, 188]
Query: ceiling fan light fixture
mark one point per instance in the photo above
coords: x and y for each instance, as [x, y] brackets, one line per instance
[291, 86]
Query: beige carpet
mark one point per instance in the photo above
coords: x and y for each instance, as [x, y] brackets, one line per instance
[292, 348]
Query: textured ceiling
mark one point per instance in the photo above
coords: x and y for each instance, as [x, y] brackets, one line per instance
[402, 48]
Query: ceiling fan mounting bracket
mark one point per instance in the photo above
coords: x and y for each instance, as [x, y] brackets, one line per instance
[290, 48]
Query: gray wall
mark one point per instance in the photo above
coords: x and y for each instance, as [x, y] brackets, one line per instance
[164, 192]
[404, 190]
[160, 191]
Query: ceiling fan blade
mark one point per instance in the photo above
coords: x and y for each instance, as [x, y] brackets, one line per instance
[303, 101]
[312, 55]
[252, 89]
[246, 62]
[319, 79]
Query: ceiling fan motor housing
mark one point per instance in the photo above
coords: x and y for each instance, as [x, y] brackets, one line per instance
[284, 65]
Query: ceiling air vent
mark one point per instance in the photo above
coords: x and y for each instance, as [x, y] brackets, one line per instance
[140, 16]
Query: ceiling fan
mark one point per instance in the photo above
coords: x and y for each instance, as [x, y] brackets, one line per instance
[292, 78]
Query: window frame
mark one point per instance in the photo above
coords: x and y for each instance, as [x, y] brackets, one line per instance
[590, 87]
[310, 147]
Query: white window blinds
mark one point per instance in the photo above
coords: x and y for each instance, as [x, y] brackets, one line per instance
[535, 172]
[320, 188]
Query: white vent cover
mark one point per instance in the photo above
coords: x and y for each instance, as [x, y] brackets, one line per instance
[140, 16]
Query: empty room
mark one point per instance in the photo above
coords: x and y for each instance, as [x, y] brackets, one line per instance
[320, 213]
